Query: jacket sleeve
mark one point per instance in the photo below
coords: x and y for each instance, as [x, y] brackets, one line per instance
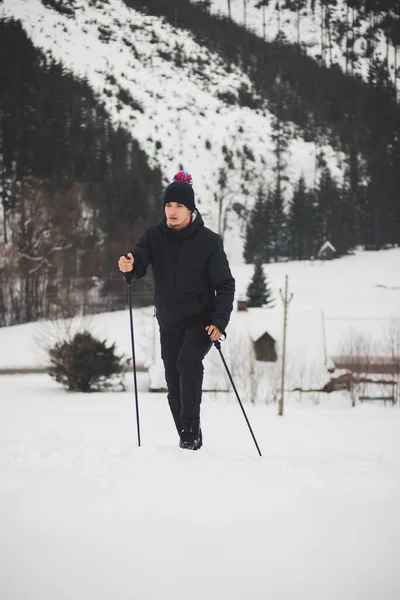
[143, 257]
[221, 279]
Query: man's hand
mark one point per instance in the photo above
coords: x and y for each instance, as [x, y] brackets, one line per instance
[213, 332]
[126, 264]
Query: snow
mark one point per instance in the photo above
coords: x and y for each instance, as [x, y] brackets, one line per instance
[87, 514]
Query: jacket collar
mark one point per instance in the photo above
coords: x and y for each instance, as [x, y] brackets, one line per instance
[197, 222]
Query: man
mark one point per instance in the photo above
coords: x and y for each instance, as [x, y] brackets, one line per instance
[194, 291]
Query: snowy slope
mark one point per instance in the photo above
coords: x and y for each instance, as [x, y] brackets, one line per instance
[307, 30]
[175, 112]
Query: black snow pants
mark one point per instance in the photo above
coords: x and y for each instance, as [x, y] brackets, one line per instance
[183, 353]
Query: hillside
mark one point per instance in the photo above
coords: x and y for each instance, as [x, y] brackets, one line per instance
[171, 93]
[253, 121]
[340, 32]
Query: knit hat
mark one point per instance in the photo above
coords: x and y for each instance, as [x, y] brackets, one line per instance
[181, 192]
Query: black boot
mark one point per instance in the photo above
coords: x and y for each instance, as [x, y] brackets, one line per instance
[191, 437]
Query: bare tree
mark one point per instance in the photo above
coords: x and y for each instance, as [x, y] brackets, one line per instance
[53, 255]
[263, 5]
[392, 345]
[237, 177]
[278, 8]
[249, 375]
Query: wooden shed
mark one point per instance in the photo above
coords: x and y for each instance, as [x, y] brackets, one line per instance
[242, 305]
[265, 348]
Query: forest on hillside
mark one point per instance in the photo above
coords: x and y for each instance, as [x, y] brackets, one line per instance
[75, 190]
[328, 104]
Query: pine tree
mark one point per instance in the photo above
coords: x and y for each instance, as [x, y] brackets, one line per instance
[86, 364]
[328, 201]
[301, 223]
[259, 292]
[278, 224]
[280, 136]
[258, 231]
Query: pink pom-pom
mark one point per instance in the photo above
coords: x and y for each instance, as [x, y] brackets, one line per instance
[183, 176]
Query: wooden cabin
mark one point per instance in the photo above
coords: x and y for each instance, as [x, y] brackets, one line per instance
[265, 348]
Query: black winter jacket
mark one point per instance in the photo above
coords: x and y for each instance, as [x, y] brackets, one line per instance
[193, 281]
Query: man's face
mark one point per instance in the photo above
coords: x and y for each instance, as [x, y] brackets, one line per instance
[178, 215]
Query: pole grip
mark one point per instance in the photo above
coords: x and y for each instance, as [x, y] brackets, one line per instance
[128, 276]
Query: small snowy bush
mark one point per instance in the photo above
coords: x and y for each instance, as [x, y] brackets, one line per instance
[85, 364]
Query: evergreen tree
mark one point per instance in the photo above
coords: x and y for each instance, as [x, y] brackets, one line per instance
[259, 292]
[301, 223]
[258, 231]
[333, 215]
[281, 137]
[327, 201]
[86, 364]
[278, 223]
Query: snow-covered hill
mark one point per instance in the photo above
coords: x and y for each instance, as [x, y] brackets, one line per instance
[168, 92]
[309, 28]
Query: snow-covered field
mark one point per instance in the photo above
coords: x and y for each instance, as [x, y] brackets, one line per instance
[336, 301]
[87, 515]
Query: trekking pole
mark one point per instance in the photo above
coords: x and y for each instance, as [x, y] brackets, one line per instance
[128, 281]
[217, 344]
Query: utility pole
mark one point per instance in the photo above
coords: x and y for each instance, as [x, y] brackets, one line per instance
[286, 301]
